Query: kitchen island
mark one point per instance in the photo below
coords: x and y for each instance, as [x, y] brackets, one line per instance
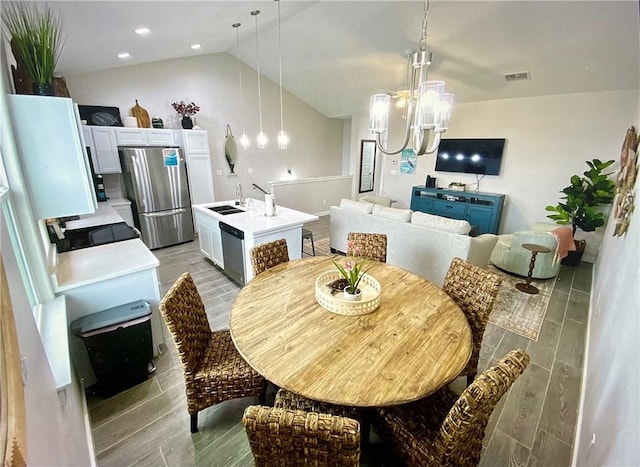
[254, 226]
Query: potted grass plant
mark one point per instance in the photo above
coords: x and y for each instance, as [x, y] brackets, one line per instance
[36, 36]
[582, 205]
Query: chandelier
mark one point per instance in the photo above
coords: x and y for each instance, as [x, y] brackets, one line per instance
[428, 107]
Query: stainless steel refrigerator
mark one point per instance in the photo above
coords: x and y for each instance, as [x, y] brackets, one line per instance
[155, 180]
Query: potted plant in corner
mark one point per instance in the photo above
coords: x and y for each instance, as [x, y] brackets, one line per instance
[36, 39]
[581, 206]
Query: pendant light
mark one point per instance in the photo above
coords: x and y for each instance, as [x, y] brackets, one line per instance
[283, 138]
[261, 140]
[244, 139]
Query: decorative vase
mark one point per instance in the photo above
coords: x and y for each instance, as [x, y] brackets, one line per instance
[352, 297]
[43, 89]
[157, 122]
[187, 123]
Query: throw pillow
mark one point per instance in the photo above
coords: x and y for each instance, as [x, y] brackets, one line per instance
[356, 206]
[400, 215]
[441, 223]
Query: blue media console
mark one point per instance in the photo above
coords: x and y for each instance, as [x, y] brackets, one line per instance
[481, 210]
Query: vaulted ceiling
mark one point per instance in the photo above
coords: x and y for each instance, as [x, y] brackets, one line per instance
[336, 53]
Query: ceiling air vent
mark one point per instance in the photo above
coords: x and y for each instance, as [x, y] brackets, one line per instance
[522, 75]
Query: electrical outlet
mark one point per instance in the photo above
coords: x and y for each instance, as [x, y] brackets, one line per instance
[218, 172]
[394, 172]
[249, 170]
[324, 201]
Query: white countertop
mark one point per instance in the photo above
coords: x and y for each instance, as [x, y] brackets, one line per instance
[254, 221]
[104, 215]
[89, 265]
[77, 268]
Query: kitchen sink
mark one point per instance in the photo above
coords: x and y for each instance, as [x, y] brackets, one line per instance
[225, 209]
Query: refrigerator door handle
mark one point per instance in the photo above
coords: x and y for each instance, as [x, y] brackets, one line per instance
[163, 213]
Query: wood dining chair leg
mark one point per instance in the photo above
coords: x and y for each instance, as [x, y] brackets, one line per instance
[194, 423]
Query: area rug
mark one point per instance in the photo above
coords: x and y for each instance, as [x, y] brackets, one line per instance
[520, 312]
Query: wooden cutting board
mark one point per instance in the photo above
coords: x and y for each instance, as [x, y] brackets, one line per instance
[141, 114]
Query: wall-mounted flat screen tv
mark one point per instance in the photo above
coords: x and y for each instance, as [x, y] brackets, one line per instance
[472, 156]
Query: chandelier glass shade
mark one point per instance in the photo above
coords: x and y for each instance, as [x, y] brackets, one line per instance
[427, 107]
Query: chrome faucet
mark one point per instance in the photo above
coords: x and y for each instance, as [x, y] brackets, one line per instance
[239, 194]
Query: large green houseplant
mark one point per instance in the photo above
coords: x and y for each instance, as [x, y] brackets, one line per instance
[582, 200]
[36, 36]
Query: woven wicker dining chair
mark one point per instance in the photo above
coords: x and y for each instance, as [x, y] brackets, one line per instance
[369, 245]
[281, 437]
[474, 290]
[214, 371]
[268, 255]
[444, 429]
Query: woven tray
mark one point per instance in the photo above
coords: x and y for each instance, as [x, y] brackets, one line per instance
[337, 304]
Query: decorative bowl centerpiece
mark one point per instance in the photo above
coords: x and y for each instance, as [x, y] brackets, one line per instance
[333, 299]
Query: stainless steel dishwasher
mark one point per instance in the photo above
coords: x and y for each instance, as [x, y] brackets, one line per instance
[233, 252]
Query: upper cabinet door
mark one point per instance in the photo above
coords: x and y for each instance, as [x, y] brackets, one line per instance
[106, 149]
[53, 156]
[161, 137]
[196, 141]
[132, 137]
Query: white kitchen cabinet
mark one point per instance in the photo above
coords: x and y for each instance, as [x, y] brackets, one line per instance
[196, 150]
[161, 137]
[195, 141]
[210, 238]
[132, 137]
[53, 156]
[106, 150]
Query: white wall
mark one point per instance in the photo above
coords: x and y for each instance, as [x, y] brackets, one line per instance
[211, 81]
[56, 430]
[610, 411]
[549, 138]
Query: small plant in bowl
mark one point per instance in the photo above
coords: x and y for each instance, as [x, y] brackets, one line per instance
[351, 271]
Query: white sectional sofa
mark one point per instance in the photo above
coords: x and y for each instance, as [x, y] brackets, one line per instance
[421, 243]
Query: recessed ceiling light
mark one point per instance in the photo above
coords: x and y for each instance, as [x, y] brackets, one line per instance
[124, 55]
[142, 31]
[195, 46]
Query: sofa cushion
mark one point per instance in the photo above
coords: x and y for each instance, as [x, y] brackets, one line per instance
[400, 215]
[441, 223]
[356, 206]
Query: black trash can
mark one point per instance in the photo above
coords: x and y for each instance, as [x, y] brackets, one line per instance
[119, 345]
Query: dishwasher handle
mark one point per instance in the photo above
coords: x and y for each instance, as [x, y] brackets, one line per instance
[231, 230]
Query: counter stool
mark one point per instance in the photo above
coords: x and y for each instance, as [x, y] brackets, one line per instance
[307, 235]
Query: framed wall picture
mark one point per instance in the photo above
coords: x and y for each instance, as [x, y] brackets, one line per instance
[367, 164]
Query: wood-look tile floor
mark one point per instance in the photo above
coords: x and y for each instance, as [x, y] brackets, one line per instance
[533, 425]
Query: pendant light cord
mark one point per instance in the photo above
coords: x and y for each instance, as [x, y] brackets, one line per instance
[255, 14]
[280, 67]
[237, 26]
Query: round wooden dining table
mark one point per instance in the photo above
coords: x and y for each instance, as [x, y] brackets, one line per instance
[414, 343]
